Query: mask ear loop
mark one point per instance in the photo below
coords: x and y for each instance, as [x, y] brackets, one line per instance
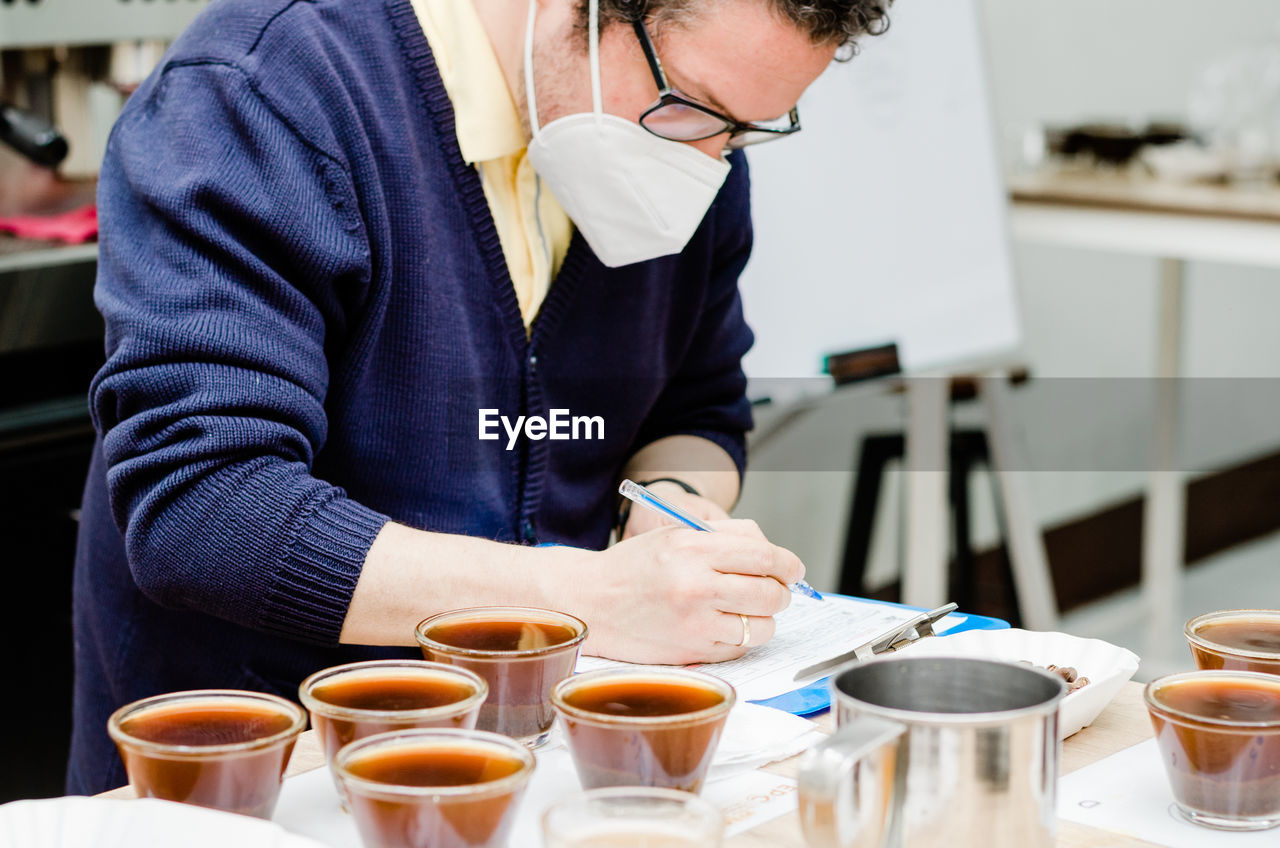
[528, 69]
[593, 47]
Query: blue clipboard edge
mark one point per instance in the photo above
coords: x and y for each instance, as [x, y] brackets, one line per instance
[816, 697]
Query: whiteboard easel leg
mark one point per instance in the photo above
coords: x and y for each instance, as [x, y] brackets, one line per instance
[1163, 529]
[1032, 579]
[924, 574]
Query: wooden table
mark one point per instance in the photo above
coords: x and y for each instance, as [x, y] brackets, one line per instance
[1122, 724]
[1176, 223]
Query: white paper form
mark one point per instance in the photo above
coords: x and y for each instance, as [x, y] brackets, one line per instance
[808, 631]
[1128, 793]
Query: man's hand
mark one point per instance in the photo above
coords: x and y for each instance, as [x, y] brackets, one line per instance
[674, 595]
[671, 595]
[642, 520]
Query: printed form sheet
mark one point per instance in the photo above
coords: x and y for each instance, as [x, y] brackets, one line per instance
[808, 631]
[1128, 793]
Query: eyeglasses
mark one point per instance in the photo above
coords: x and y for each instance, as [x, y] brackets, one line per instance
[675, 117]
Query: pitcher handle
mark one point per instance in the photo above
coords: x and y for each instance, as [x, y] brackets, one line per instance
[846, 784]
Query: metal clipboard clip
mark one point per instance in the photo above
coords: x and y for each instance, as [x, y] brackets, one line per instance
[900, 636]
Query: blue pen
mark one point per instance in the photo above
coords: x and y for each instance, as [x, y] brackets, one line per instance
[639, 494]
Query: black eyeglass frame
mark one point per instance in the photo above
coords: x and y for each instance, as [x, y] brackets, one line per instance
[668, 96]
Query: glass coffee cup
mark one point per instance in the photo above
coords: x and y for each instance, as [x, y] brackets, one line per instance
[352, 701]
[220, 748]
[643, 726]
[521, 652]
[1243, 640]
[632, 817]
[1219, 738]
[434, 787]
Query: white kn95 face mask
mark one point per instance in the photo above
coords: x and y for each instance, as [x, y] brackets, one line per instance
[632, 195]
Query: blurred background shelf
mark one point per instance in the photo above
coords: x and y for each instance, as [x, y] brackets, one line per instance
[45, 23]
[24, 255]
[1130, 191]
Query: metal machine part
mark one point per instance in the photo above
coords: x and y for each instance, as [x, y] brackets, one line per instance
[32, 136]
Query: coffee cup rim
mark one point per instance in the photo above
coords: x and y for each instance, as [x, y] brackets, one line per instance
[586, 678]
[420, 632]
[1189, 630]
[958, 719]
[458, 735]
[1148, 695]
[161, 749]
[318, 705]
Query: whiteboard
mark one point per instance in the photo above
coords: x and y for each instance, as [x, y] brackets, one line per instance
[884, 219]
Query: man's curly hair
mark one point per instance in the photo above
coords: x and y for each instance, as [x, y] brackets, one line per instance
[826, 21]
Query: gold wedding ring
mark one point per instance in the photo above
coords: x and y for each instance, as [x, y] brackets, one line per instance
[746, 630]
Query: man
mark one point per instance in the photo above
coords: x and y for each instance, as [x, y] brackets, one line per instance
[345, 245]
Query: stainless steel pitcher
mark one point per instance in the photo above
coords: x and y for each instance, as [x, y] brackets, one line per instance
[936, 752]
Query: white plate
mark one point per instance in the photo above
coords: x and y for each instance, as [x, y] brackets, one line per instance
[1107, 666]
[79, 822]
[1184, 162]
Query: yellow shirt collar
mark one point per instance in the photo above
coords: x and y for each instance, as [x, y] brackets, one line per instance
[488, 124]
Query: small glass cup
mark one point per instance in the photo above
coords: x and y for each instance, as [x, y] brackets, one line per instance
[632, 817]
[221, 748]
[1224, 769]
[352, 701]
[434, 787]
[643, 726]
[521, 652]
[1242, 640]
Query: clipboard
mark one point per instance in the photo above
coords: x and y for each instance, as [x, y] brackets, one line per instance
[815, 697]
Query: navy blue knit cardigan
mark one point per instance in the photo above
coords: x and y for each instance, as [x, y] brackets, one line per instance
[306, 305]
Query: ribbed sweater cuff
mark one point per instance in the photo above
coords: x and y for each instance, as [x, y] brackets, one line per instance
[313, 589]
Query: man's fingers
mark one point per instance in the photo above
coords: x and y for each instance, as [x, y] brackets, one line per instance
[750, 595]
[738, 527]
[757, 558]
[720, 652]
[757, 630]
[678, 596]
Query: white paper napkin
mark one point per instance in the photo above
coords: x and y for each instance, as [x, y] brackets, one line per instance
[755, 736]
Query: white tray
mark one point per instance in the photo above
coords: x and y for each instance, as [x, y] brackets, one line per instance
[1107, 666]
